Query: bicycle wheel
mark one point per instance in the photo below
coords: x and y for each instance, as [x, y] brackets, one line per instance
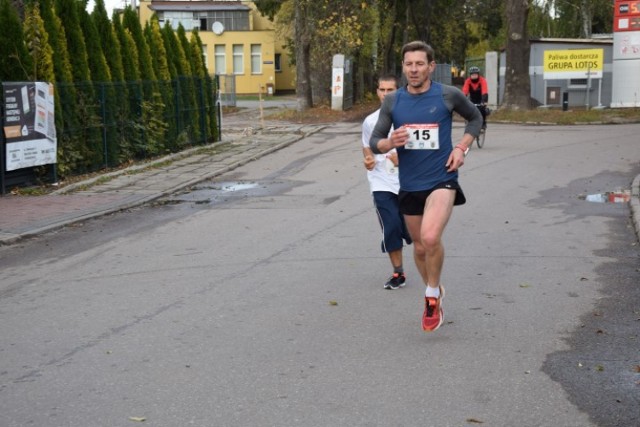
[480, 138]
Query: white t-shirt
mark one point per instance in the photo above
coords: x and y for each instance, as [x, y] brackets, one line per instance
[384, 176]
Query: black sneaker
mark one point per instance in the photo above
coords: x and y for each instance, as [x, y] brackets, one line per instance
[396, 281]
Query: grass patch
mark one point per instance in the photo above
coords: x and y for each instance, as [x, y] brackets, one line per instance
[570, 117]
[324, 114]
[30, 191]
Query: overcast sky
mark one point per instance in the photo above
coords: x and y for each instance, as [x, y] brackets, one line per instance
[110, 5]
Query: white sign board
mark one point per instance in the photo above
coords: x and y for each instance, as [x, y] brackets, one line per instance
[29, 124]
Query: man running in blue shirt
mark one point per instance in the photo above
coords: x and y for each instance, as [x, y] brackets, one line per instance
[421, 116]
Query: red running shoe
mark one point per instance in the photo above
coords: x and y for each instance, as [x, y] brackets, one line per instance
[433, 315]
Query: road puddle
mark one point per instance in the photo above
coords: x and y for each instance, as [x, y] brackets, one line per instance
[238, 186]
[212, 193]
[621, 196]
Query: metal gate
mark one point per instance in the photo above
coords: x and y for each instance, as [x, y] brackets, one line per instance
[442, 74]
[227, 90]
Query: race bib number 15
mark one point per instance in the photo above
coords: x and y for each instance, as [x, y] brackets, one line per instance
[423, 137]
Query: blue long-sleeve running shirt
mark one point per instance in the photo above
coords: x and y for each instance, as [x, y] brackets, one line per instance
[428, 117]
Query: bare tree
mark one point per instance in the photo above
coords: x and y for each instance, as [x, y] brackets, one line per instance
[585, 12]
[304, 91]
[517, 91]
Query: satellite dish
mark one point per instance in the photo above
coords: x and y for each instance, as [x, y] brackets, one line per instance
[217, 28]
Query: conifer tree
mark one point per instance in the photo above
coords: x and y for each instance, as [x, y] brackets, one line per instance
[37, 40]
[157, 50]
[189, 111]
[130, 22]
[165, 85]
[153, 124]
[98, 67]
[108, 40]
[15, 61]
[130, 57]
[67, 11]
[171, 46]
[183, 51]
[71, 149]
[106, 97]
[58, 42]
[132, 140]
[119, 108]
[85, 102]
[200, 69]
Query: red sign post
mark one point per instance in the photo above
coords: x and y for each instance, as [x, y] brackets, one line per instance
[626, 54]
[626, 16]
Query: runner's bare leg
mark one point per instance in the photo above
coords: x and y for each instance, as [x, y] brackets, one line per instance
[426, 232]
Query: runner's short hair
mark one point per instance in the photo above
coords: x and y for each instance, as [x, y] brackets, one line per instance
[388, 78]
[419, 46]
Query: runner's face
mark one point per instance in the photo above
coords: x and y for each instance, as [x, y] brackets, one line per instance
[417, 68]
[385, 87]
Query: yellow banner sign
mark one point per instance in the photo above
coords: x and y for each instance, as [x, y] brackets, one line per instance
[573, 64]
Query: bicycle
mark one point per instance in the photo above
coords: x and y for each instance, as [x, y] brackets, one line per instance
[483, 132]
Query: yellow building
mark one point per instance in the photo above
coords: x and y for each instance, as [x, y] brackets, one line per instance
[237, 40]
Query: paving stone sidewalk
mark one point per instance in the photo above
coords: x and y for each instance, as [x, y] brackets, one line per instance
[24, 216]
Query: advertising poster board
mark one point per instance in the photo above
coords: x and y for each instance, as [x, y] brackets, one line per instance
[29, 125]
[573, 64]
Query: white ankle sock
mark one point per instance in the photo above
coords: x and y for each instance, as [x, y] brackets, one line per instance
[432, 292]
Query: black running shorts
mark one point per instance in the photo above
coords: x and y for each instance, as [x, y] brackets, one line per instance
[412, 202]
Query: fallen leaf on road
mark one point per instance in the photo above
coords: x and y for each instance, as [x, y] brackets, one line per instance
[474, 420]
[333, 302]
[137, 419]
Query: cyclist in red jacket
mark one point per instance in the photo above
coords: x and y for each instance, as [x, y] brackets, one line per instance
[475, 87]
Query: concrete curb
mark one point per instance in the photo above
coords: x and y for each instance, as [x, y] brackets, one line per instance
[634, 204]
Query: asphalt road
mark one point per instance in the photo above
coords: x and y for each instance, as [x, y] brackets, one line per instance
[256, 299]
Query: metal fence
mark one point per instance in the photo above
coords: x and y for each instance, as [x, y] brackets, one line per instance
[442, 74]
[107, 125]
[474, 62]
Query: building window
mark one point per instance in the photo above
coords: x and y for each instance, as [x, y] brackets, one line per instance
[276, 65]
[256, 59]
[176, 18]
[231, 20]
[578, 83]
[221, 64]
[238, 59]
